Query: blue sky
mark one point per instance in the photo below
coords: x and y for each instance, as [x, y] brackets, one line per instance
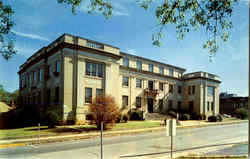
[39, 22]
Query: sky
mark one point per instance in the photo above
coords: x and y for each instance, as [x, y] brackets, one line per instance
[39, 22]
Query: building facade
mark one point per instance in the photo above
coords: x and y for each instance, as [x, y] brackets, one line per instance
[230, 102]
[71, 71]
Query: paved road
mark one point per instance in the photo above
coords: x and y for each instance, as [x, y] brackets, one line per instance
[147, 145]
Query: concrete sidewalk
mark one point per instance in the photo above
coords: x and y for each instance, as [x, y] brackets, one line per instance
[27, 141]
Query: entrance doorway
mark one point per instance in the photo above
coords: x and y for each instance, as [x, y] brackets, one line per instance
[191, 106]
[150, 105]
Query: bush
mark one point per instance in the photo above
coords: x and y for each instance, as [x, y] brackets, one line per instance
[136, 115]
[172, 113]
[194, 116]
[219, 117]
[118, 119]
[241, 113]
[184, 117]
[212, 118]
[125, 118]
[104, 110]
[53, 119]
[89, 117]
[203, 117]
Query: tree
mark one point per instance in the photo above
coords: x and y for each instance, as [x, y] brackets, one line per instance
[6, 36]
[7, 97]
[104, 109]
[213, 16]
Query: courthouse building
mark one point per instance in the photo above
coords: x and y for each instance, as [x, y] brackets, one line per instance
[71, 71]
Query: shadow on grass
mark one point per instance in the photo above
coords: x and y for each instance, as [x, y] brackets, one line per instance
[66, 129]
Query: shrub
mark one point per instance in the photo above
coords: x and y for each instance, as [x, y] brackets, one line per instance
[203, 117]
[184, 117]
[212, 118]
[172, 113]
[194, 116]
[104, 110]
[89, 117]
[53, 119]
[125, 118]
[241, 113]
[219, 117]
[118, 119]
[136, 115]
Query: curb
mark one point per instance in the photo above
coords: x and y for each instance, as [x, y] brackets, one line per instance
[50, 139]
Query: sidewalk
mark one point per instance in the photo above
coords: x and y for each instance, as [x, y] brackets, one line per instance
[184, 124]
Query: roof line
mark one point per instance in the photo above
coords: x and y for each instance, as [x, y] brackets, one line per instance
[143, 58]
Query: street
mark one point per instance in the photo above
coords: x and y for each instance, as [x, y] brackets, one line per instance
[150, 145]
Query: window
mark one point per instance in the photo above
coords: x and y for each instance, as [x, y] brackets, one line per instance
[161, 70]
[58, 66]
[151, 67]
[138, 102]
[161, 85]
[191, 106]
[48, 70]
[179, 89]
[138, 83]
[88, 68]
[88, 95]
[189, 90]
[212, 106]
[99, 91]
[150, 85]
[210, 90]
[39, 98]
[100, 70]
[171, 88]
[139, 65]
[94, 69]
[30, 80]
[193, 89]
[160, 104]
[57, 91]
[171, 72]
[40, 74]
[94, 45]
[125, 62]
[48, 96]
[125, 81]
[170, 104]
[207, 106]
[34, 76]
[124, 101]
[179, 105]
[179, 74]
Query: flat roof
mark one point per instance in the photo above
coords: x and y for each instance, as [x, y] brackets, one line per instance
[147, 59]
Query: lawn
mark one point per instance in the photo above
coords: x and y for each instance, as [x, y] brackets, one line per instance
[30, 132]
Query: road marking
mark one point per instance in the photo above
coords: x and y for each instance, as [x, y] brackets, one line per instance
[12, 145]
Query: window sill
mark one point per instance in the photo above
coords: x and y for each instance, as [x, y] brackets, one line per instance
[94, 77]
[125, 86]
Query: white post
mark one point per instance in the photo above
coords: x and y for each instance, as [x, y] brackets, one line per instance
[38, 133]
[101, 140]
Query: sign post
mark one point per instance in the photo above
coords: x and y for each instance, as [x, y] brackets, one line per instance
[101, 140]
[171, 131]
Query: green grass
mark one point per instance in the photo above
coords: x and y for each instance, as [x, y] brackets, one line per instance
[136, 125]
[30, 132]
